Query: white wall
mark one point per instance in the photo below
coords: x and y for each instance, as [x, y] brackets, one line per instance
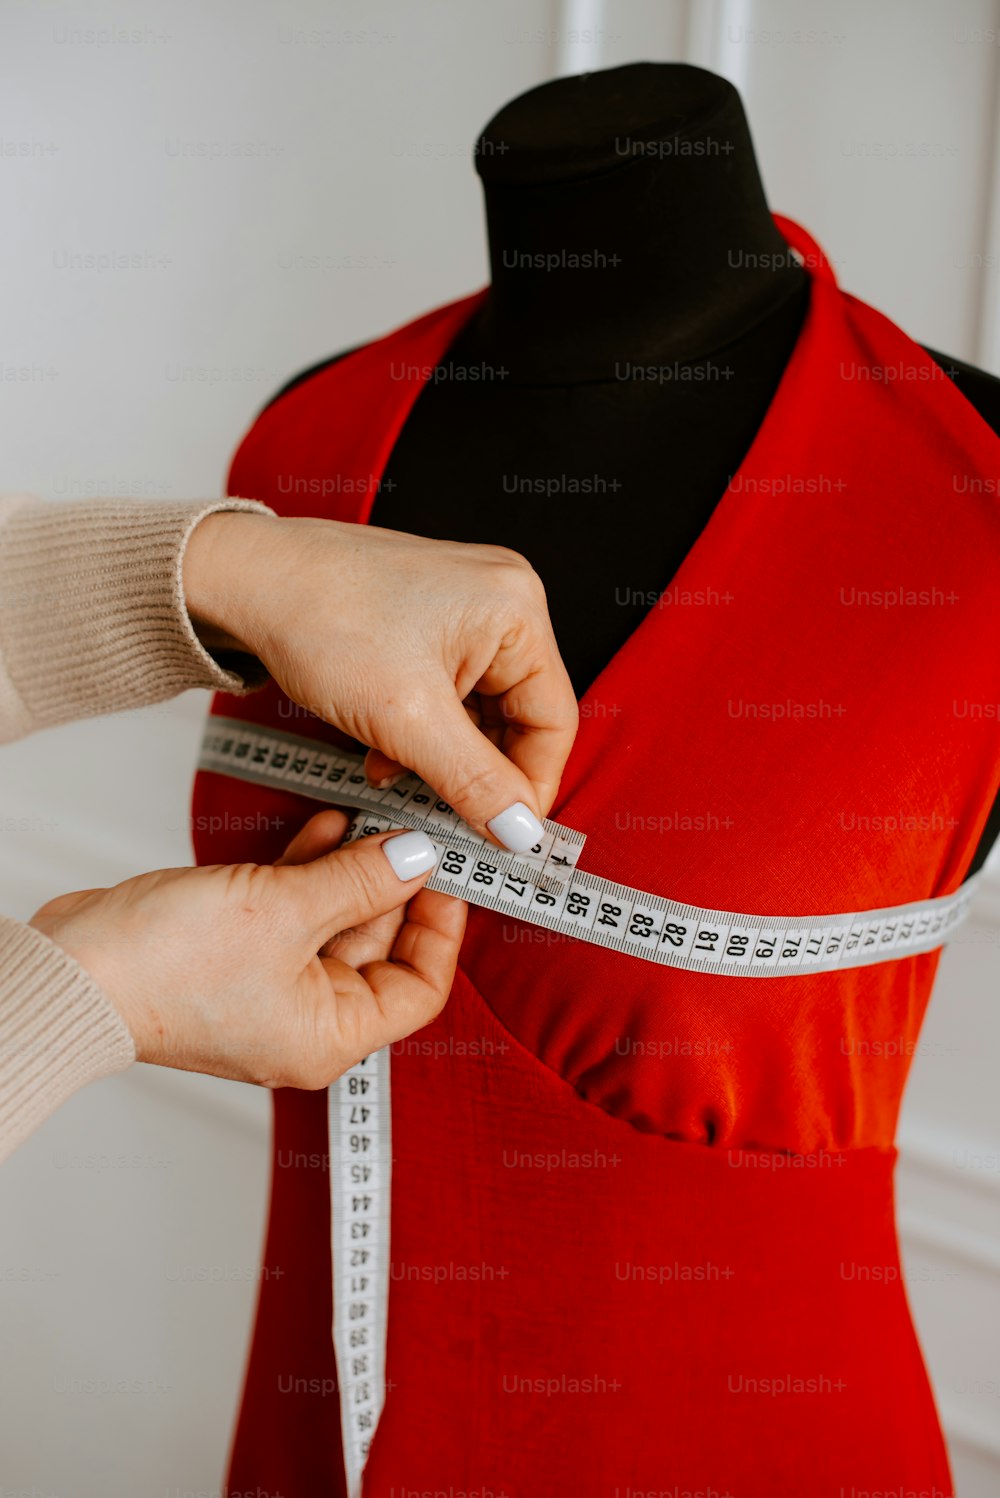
[359, 121]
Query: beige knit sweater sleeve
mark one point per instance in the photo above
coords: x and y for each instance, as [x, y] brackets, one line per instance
[92, 620]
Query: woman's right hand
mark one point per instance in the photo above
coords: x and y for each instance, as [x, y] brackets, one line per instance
[283, 975]
[438, 655]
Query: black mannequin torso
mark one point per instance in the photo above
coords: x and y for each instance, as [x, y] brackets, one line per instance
[591, 415]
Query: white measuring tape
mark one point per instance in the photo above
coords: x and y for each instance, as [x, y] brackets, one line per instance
[360, 1127]
[545, 887]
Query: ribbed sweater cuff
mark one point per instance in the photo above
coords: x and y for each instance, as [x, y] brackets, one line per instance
[92, 611]
[58, 1031]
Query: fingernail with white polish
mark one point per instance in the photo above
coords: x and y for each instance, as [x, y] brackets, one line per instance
[517, 828]
[410, 854]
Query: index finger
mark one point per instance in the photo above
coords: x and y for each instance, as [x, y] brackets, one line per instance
[539, 717]
[411, 987]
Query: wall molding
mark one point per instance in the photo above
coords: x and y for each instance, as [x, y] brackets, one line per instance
[949, 1222]
[709, 27]
[574, 20]
[987, 353]
[930, 1152]
[986, 905]
[969, 1430]
[949, 1240]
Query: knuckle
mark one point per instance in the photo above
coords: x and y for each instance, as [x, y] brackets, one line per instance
[412, 709]
[525, 584]
[503, 556]
[309, 1065]
[475, 786]
[513, 574]
[311, 1074]
[250, 887]
[363, 877]
[436, 999]
[568, 715]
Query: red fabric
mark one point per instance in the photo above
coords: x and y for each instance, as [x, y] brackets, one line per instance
[642, 1219]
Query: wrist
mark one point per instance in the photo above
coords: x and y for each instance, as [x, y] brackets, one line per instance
[84, 948]
[221, 561]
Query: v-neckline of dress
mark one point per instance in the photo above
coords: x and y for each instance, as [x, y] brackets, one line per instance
[734, 528]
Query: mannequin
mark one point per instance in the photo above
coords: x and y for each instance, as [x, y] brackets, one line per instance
[643, 306]
[660, 1101]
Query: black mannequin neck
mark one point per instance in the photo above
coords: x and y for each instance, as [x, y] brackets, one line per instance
[649, 171]
[702, 269]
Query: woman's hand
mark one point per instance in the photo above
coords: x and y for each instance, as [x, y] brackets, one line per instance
[286, 975]
[438, 655]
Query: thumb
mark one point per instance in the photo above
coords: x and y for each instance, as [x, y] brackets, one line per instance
[351, 885]
[475, 777]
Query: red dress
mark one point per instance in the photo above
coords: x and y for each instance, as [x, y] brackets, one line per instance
[643, 1235]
